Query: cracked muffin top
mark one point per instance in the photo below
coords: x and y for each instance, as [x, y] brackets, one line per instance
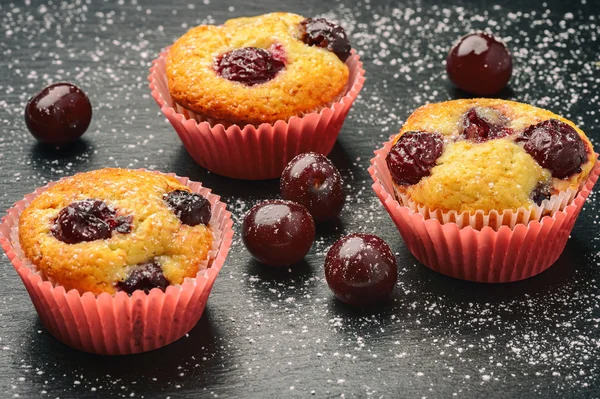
[115, 230]
[259, 69]
[487, 154]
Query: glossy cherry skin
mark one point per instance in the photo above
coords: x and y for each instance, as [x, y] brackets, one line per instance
[250, 65]
[555, 145]
[479, 64]
[88, 220]
[322, 33]
[278, 232]
[144, 277]
[59, 114]
[191, 208]
[361, 269]
[413, 156]
[311, 180]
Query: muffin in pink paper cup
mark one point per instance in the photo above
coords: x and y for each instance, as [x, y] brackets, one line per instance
[485, 190]
[118, 261]
[247, 96]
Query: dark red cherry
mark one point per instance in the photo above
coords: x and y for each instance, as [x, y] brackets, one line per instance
[556, 146]
[191, 208]
[59, 114]
[311, 180]
[144, 277]
[278, 232]
[413, 156]
[361, 269]
[479, 64]
[541, 192]
[88, 220]
[250, 65]
[322, 33]
[482, 124]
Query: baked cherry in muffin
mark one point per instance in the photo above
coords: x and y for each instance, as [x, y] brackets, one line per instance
[259, 69]
[115, 230]
[487, 154]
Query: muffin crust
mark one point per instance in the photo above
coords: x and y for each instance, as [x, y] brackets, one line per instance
[313, 77]
[96, 266]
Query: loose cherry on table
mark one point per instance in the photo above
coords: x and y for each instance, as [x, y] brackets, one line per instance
[361, 269]
[278, 232]
[59, 114]
[311, 180]
[479, 64]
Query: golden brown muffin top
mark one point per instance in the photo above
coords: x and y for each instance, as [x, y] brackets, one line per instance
[312, 78]
[152, 233]
[487, 154]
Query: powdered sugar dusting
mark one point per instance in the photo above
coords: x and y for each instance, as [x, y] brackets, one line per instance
[269, 331]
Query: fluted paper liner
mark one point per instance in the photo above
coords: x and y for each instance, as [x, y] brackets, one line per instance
[250, 152]
[120, 324]
[509, 246]
[494, 219]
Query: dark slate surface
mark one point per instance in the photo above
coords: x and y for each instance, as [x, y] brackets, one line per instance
[281, 333]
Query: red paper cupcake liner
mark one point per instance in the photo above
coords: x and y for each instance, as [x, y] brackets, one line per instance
[486, 255]
[249, 152]
[120, 324]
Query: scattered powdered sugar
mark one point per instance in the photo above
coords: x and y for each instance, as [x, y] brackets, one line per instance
[269, 331]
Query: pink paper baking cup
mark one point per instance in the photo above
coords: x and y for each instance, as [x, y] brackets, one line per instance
[249, 152]
[120, 324]
[483, 255]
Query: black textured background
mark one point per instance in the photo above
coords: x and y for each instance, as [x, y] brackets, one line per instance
[269, 333]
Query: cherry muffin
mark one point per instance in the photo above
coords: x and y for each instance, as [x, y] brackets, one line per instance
[117, 230]
[487, 154]
[259, 69]
[483, 189]
[118, 261]
[247, 96]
